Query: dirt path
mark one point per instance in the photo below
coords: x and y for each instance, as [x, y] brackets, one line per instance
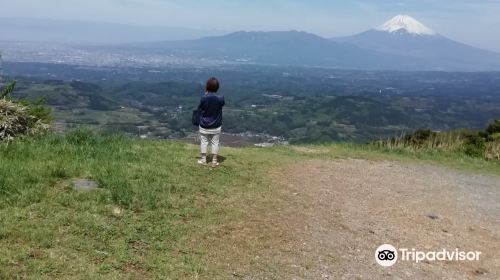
[328, 217]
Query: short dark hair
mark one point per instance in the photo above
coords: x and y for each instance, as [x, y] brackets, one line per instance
[212, 85]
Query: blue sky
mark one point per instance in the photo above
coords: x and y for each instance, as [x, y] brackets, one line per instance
[471, 21]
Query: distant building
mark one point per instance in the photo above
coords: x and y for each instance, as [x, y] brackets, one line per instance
[264, 145]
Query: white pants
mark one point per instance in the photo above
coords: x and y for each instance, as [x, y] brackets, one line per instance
[214, 141]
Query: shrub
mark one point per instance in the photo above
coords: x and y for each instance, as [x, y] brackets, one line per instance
[484, 144]
[493, 150]
[420, 138]
[495, 137]
[5, 92]
[475, 145]
[16, 120]
[38, 109]
[21, 118]
[493, 128]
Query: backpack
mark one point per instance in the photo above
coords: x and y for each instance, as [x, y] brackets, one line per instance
[195, 119]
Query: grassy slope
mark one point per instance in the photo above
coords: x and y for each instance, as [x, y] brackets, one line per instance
[153, 199]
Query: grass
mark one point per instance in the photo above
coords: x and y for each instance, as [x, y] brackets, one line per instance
[152, 197]
[151, 202]
[477, 144]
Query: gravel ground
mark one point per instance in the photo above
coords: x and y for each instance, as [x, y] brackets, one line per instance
[326, 219]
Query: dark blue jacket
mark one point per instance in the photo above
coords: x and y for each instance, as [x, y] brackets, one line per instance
[211, 111]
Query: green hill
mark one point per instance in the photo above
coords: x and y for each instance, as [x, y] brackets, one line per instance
[152, 201]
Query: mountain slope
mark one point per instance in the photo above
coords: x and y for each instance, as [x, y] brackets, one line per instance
[279, 47]
[402, 43]
[423, 48]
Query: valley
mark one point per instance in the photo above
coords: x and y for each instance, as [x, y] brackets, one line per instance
[295, 104]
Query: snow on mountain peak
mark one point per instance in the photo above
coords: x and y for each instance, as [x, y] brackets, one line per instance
[403, 22]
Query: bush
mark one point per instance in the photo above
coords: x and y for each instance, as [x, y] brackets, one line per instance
[493, 128]
[495, 137]
[17, 120]
[493, 150]
[5, 92]
[420, 138]
[38, 109]
[21, 118]
[475, 145]
[484, 144]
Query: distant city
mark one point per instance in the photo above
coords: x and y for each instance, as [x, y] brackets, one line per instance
[75, 55]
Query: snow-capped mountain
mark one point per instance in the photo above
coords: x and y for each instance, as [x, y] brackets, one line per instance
[405, 23]
[422, 48]
[402, 43]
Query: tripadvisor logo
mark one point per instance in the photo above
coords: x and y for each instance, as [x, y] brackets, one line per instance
[387, 255]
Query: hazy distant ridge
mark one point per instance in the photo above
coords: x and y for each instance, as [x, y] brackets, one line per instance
[402, 43]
